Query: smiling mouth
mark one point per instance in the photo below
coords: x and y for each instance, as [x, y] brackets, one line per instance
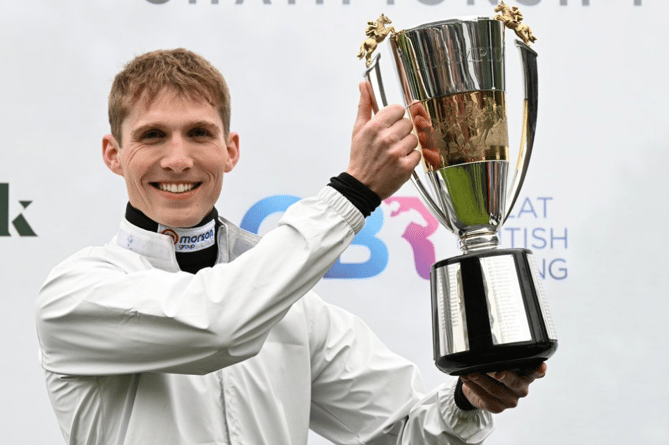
[172, 187]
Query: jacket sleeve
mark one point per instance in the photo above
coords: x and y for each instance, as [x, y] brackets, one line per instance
[107, 311]
[364, 393]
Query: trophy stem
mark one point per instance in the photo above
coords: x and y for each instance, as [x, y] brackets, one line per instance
[479, 240]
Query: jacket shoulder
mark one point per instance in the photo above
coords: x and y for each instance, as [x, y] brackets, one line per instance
[106, 256]
[238, 239]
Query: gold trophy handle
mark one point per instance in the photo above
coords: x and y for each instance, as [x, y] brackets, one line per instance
[530, 74]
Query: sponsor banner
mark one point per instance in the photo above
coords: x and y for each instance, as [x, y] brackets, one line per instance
[529, 228]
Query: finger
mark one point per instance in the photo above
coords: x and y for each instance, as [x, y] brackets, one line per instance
[372, 98]
[387, 117]
[540, 371]
[479, 394]
[395, 137]
[365, 106]
[512, 379]
[402, 127]
[489, 385]
[500, 391]
[408, 145]
[518, 384]
[411, 160]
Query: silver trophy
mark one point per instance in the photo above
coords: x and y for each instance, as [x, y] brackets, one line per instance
[489, 308]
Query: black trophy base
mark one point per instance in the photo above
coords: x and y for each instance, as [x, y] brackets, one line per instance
[489, 313]
[521, 357]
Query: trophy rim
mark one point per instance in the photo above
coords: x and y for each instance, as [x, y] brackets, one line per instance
[439, 23]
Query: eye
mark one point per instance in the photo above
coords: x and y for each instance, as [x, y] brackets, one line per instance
[199, 132]
[152, 135]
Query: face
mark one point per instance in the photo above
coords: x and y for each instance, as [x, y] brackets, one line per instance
[174, 155]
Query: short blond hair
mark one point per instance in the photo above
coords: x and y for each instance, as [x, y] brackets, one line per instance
[181, 70]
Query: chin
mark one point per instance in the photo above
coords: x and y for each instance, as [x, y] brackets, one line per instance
[179, 220]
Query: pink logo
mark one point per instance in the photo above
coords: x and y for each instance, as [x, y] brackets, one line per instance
[416, 234]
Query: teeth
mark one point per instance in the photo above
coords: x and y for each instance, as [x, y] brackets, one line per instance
[175, 188]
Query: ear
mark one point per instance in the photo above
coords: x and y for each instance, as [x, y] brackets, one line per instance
[110, 154]
[232, 144]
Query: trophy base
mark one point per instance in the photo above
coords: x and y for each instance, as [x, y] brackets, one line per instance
[490, 313]
[519, 358]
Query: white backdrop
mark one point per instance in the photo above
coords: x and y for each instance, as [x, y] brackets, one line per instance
[595, 191]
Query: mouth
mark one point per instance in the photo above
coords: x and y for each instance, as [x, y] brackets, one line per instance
[176, 187]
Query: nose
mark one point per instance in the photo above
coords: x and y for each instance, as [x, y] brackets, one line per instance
[176, 156]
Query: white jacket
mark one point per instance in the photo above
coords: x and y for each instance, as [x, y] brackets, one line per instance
[137, 352]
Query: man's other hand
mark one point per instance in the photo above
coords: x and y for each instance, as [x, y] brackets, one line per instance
[497, 391]
[383, 150]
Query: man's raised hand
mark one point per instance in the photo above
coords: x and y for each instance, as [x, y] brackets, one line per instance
[383, 149]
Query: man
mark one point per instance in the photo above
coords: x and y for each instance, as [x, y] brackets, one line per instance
[185, 329]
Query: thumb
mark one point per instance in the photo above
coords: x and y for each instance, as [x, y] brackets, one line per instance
[365, 106]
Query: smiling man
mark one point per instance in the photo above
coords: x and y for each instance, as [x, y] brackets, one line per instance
[175, 154]
[185, 329]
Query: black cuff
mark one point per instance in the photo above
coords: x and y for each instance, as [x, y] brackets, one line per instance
[460, 399]
[355, 191]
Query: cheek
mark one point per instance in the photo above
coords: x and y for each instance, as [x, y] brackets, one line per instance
[137, 165]
[215, 164]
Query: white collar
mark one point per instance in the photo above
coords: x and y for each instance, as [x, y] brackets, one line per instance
[159, 251]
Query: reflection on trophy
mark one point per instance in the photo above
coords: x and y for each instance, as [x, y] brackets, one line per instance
[489, 308]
